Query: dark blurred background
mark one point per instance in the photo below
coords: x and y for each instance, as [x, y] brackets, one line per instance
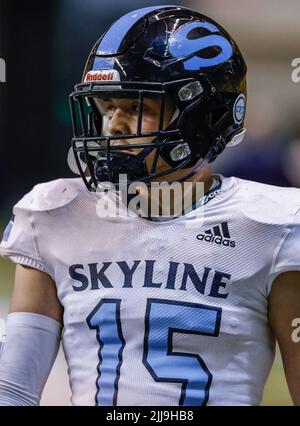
[45, 46]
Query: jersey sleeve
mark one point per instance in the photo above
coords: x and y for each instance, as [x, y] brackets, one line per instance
[287, 255]
[18, 241]
[23, 241]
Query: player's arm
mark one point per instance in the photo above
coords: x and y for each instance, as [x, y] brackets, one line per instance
[284, 307]
[35, 291]
[32, 338]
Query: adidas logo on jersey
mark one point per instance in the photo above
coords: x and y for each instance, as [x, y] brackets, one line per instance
[219, 234]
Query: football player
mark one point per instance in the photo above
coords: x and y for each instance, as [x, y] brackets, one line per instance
[155, 309]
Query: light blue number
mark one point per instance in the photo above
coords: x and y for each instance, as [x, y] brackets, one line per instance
[163, 318]
[105, 319]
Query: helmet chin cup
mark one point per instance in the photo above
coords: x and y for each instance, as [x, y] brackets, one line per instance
[121, 163]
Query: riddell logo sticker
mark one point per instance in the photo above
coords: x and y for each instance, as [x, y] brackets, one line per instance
[102, 75]
[217, 235]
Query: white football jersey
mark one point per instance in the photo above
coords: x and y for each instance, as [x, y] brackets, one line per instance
[162, 313]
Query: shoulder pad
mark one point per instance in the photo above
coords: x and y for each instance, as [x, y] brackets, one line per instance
[269, 204]
[51, 195]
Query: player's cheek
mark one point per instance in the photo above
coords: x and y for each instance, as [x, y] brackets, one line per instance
[150, 123]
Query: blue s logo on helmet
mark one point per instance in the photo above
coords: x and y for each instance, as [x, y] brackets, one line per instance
[179, 47]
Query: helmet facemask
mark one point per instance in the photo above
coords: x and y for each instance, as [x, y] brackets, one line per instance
[102, 155]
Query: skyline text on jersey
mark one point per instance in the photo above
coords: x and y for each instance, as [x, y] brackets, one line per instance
[207, 281]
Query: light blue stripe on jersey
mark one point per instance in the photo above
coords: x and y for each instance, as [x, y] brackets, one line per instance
[112, 40]
[7, 231]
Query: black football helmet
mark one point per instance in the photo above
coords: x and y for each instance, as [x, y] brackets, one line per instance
[160, 52]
